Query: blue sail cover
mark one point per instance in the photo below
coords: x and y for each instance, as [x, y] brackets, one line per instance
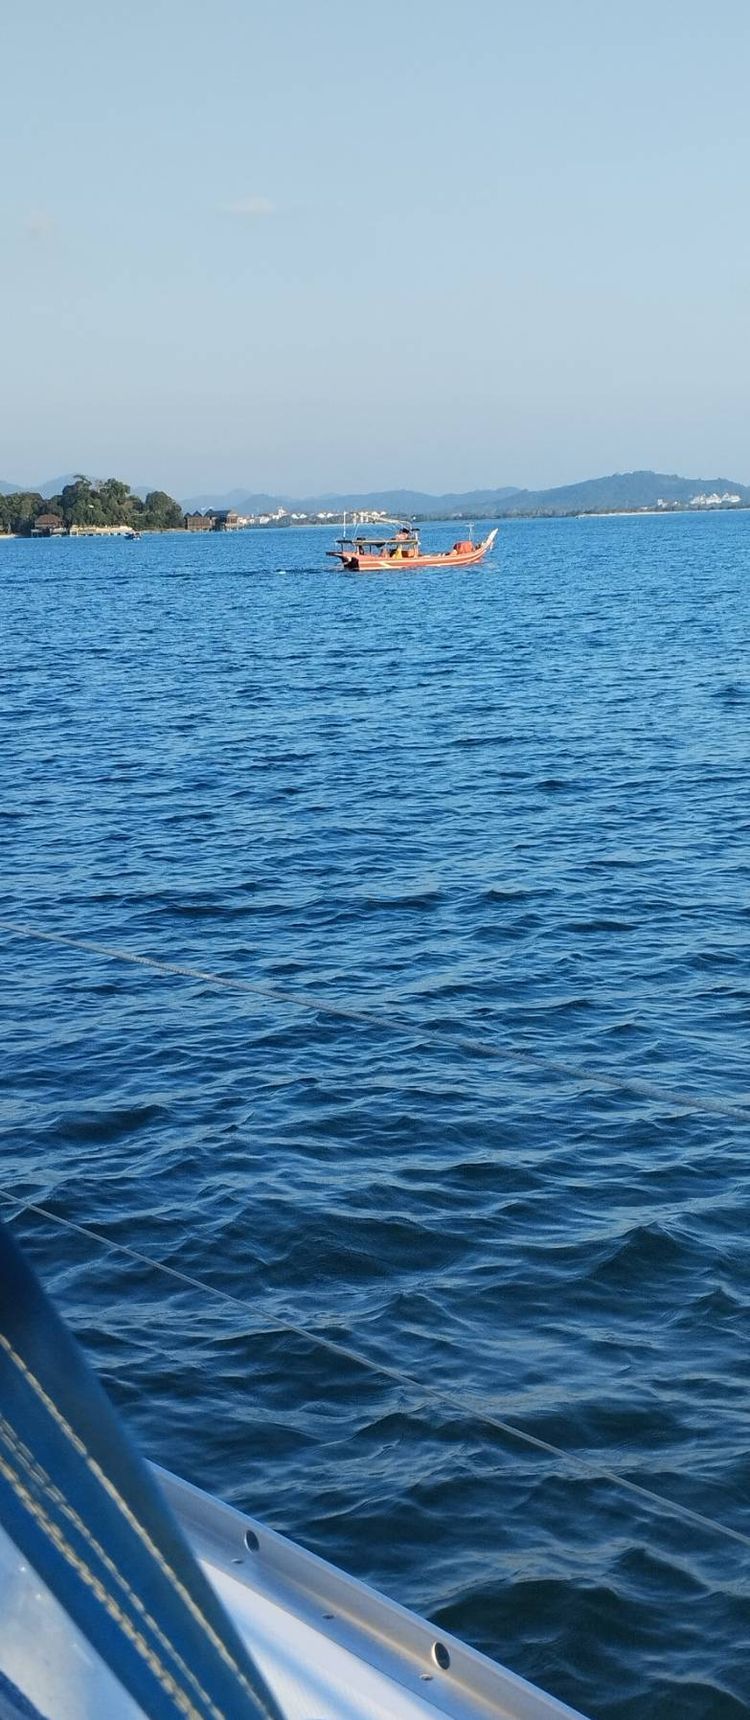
[80, 1505]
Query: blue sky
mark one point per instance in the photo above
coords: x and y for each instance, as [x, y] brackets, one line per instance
[302, 246]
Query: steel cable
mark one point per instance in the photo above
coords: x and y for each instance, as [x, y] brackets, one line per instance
[438, 1395]
[735, 1109]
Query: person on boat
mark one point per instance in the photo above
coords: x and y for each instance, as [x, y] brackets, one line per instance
[404, 546]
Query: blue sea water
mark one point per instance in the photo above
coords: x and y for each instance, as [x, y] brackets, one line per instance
[498, 812]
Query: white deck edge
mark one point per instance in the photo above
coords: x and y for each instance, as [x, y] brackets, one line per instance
[345, 1612]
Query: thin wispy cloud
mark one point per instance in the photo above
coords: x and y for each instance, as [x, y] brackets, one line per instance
[39, 225]
[249, 208]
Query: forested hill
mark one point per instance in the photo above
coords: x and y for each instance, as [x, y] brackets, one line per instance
[623, 490]
[82, 502]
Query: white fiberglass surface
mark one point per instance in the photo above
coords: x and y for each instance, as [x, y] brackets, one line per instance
[47, 1659]
[45, 1656]
[312, 1675]
[314, 1678]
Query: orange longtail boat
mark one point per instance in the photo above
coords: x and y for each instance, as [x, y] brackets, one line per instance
[403, 550]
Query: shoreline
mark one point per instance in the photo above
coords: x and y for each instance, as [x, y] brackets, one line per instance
[421, 519]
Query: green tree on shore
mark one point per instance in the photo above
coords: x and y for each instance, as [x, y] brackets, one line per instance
[18, 512]
[161, 512]
[84, 502]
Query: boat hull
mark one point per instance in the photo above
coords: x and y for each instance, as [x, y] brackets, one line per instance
[411, 563]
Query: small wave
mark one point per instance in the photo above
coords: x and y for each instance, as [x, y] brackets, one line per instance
[619, 861]
[643, 1254]
[734, 693]
[407, 899]
[464, 743]
[213, 910]
[721, 1303]
[508, 930]
[511, 893]
[600, 924]
[107, 1126]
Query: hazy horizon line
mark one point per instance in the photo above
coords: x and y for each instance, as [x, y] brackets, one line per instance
[287, 493]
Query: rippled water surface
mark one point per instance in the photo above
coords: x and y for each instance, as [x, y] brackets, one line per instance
[501, 812]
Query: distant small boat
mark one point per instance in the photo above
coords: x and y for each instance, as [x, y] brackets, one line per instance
[371, 554]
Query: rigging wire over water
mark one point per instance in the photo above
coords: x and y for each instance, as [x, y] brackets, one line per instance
[438, 1395]
[736, 1109]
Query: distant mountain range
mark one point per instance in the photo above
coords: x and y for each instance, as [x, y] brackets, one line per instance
[392, 501]
[620, 491]
[52, 487]
[55, 486]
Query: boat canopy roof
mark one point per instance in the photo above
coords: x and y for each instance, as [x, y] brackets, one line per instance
[408, 534]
